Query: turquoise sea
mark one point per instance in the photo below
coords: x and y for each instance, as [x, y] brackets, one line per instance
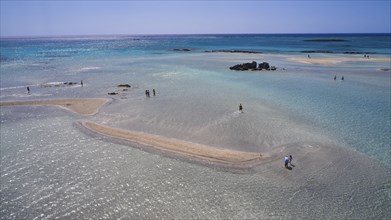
[51, 169]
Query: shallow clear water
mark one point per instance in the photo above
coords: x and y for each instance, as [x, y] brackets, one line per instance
[55, 171]
[45, 172]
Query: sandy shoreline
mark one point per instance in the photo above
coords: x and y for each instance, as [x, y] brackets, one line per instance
[335, 60]
[176, 146]
[80, 106]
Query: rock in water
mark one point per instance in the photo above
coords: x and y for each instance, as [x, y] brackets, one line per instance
[264, 65]
[245, 66]
[124, 85]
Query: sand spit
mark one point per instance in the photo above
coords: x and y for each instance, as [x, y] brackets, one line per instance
[80, 106]
[327, 61]
[180, 147]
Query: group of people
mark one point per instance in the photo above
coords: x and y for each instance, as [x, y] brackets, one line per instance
[335, 77]
[147, 94]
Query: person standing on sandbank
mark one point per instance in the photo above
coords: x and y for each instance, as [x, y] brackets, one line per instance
[241, 108]
[286, 161]
[154, 93]
[28, 90]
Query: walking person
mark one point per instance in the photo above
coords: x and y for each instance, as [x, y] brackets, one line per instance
[286, 161]
[154, 93]
[241, 108]
[81, 83]
[290, 159]
[28, 90]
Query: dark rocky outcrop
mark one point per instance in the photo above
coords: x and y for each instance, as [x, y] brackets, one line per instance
[70, 83]
[112, 93]
[182, 49]
[245, 66]
[264, 66]
[316, 51]
[231, 51]
[124, 85]
[253, 66]
[327, 40]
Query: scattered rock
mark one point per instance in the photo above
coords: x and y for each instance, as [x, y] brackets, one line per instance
[231, 51]
[124, 85]
[182, 49]
[70, 83]
[245, 66]
[253, 66]
[264, 66]
[316, 51]
[355, 52]
[327, 40]
[112, 93]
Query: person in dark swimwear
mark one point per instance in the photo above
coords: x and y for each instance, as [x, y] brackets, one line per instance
[241, 108]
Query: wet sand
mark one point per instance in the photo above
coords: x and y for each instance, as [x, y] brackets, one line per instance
[80, 106]
[180, 147]
[327, 61]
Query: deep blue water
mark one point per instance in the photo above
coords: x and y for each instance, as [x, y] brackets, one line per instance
[68, 47]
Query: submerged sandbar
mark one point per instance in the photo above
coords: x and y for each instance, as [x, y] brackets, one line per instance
[80, 106]
[177, 146]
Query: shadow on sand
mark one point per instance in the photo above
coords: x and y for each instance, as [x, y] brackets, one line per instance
[290, 167]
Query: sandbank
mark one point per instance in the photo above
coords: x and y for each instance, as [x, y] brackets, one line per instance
[176, 146]
[335, 60]
[80, 106]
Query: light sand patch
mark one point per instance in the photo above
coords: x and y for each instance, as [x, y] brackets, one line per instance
[177, 146]
[80, 106]
[328, 61]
